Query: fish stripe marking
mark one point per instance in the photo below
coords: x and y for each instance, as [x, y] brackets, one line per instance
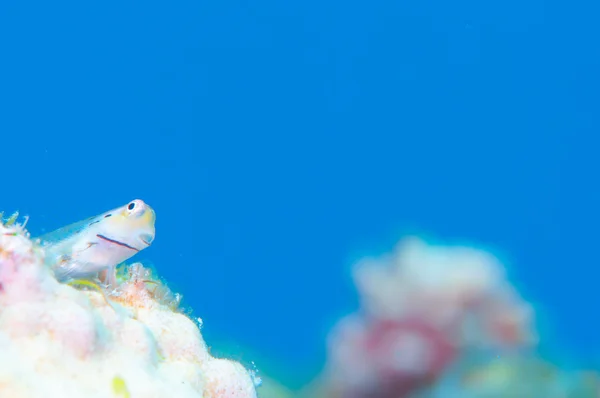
[116, 242]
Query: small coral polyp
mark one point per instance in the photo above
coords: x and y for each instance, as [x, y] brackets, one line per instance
[60, 341]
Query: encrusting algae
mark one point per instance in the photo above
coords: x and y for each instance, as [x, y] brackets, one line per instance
[120, 334]
[120, 387]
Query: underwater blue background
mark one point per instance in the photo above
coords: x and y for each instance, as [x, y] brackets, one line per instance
[280, 141]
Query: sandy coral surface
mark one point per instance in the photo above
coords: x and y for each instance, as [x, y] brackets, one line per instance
[61, 340]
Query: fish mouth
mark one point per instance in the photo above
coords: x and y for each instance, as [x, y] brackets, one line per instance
[147, 239]
[116, 242]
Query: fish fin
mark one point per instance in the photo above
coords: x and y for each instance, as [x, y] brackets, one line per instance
[67, 231]
[109, 277]
[65, 270]
[67, 267]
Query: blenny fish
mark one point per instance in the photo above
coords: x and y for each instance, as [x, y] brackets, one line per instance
[95, 246]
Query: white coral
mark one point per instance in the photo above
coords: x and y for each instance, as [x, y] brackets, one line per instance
[57, 341]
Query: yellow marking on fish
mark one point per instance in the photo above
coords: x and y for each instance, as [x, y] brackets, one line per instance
[92, 285]
[120, 387]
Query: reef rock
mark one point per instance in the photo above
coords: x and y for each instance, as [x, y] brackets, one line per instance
[57, 340]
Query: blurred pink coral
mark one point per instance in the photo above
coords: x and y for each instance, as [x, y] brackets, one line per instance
[386, 358]
[422, 307]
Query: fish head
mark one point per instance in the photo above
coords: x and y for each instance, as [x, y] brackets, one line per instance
[132, 224]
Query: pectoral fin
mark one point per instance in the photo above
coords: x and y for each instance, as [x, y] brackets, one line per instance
[71, 268]
[109, 277]
[66, 269]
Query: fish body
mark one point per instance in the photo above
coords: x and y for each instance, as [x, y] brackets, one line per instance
[95, 246]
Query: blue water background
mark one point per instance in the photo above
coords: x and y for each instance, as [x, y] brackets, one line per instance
[280, 141]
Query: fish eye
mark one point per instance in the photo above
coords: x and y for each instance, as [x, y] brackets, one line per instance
[135, 208]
